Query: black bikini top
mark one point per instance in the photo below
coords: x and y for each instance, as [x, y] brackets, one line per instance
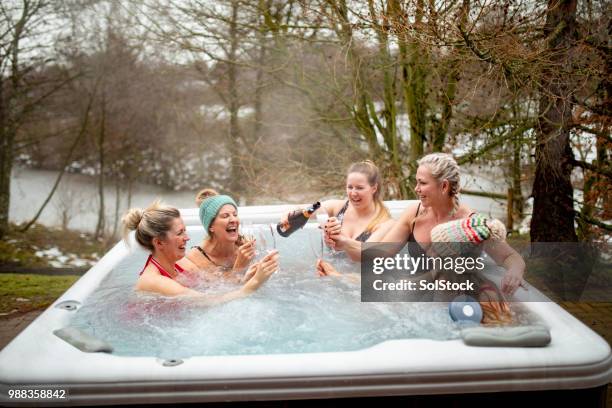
[414, 248]
[364, 236]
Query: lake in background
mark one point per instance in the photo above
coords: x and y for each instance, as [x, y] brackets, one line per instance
[78, 196]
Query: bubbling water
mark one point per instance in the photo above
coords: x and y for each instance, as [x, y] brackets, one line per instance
[294, 312]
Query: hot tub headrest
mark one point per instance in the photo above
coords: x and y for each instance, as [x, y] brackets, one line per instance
[83, 341]
[521, 336]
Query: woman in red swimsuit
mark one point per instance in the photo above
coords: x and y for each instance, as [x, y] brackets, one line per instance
[161, 230]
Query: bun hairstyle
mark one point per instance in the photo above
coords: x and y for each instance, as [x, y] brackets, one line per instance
[204, 194]
[444, 167]
[152, 222]
[372, 173]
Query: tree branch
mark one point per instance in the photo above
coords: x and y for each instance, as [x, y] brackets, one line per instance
[593, 221]
[601, 135]
[468, 158]
[604, 171]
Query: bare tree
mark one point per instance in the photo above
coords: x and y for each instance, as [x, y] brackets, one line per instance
[24, 44]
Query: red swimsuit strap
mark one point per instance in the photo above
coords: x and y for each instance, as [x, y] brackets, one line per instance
[160, 268]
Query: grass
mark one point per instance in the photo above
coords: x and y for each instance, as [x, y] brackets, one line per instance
[24, 293]
[19, 248]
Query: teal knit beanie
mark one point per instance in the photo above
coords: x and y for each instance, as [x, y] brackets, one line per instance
[211, 206]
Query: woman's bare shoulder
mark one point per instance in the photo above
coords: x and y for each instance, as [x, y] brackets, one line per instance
[149, 274]
[410, 211]
[186, 262]
[150, 270]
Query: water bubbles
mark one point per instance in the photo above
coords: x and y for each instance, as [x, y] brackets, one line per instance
[296, 312]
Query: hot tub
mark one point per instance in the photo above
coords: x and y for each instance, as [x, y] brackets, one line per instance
[576, 359]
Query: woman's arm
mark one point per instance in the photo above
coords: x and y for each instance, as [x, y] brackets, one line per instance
[164, 286]
[327, 269]
[381, 230]
[244, 256]
[504, 255]
[168, 287]
[400, 230]
[352, 247]
[331, 207]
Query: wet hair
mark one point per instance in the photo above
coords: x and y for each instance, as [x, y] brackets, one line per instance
[372, 173]
[444, 167]
[152, 222]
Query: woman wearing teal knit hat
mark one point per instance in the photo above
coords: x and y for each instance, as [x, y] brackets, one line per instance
[223, 253]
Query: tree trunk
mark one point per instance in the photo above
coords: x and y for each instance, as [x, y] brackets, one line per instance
[517, 192]
[553, 205]
[259, 85]
[101, 135]
[567, 263]
[413, 60]
[7, 139]
[440, 130]
[235, 184]
[62, 171]
[117, 202]
[129, 192]
[361, 101]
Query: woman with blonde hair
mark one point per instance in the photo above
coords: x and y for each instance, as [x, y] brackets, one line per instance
[224, 252]
[363, 216]
[437, 188]
[439, 218]
[160, 230]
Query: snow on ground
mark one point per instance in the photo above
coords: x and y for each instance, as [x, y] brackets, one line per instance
[58, 259]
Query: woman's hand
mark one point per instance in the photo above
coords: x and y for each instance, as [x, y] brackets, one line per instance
[515, 269]
[339, 241]
[512, 279]
[332, 234]
[332, 227]
[329, 241]
[284, 221]
[250, 272]
[246, 253]
[326, 269]
[262, 272]
[514, 264]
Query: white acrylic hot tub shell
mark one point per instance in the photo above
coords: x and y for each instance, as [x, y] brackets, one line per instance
[576, 358]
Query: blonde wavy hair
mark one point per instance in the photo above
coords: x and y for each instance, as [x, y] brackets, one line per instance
[444, 167]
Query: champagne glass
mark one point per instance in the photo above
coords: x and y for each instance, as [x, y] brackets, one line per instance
[247, 230]
[271, 227]
[268, 242]
[322, 220]
[263, 242]
[314, 241]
